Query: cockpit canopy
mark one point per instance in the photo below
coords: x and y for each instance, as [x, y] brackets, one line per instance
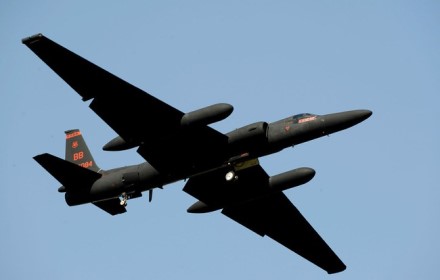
[304, 117]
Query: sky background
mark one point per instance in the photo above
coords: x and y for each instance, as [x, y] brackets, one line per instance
[375, 198]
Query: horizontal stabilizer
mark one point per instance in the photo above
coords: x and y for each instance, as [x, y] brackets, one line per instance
[68, 174]
[112, 206]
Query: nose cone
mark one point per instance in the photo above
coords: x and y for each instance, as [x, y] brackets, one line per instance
[339, 121]
[306, 173]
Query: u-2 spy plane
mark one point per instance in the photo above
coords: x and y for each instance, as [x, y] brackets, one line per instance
[223, 170]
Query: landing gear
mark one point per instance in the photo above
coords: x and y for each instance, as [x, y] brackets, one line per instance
[230, 176]
[124, 198]
[150, 195]
[239, 163]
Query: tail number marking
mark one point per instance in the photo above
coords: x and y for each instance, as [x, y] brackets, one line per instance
[78, 156]
[86, 164]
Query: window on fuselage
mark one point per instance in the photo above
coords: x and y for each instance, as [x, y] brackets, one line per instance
[298, 117]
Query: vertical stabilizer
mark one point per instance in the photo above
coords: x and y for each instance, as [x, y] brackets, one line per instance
[77, 151]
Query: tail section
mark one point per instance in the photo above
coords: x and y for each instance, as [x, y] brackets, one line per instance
[77, 174]
[77, 151]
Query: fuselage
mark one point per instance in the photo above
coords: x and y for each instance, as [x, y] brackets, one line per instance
[249, 142]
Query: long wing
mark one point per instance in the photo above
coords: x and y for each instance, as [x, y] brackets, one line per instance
[276, 217]
[134, 114]
[269, 213]
[127, 109]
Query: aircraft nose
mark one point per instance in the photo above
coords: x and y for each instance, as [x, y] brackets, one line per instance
[339, 121]
[361, 114]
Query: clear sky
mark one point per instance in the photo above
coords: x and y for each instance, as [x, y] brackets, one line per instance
[375, 198]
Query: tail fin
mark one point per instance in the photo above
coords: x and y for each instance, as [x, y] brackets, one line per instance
[77, 151]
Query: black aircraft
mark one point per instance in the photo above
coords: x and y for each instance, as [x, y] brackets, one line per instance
[223, 171]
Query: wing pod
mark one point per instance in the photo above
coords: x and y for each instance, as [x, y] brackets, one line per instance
[119, 144]
[200, 117]
[207, 115]
[291, 178]
[254, 185]
[201, 207]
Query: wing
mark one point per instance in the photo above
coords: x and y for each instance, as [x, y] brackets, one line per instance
[213, 189]
[264, 212]
[276, 217]
[111, 206]
[134, 114]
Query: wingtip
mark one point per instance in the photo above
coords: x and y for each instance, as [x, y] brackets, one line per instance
[34, 38]
[40, 156]
[338, 269]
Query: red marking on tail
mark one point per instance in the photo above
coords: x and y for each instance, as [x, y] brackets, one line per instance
[74, 134]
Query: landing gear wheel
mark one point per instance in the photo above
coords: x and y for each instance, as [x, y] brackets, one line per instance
[230, 176]
[124, 198]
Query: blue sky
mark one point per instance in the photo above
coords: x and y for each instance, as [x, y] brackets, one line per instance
[375, 198]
